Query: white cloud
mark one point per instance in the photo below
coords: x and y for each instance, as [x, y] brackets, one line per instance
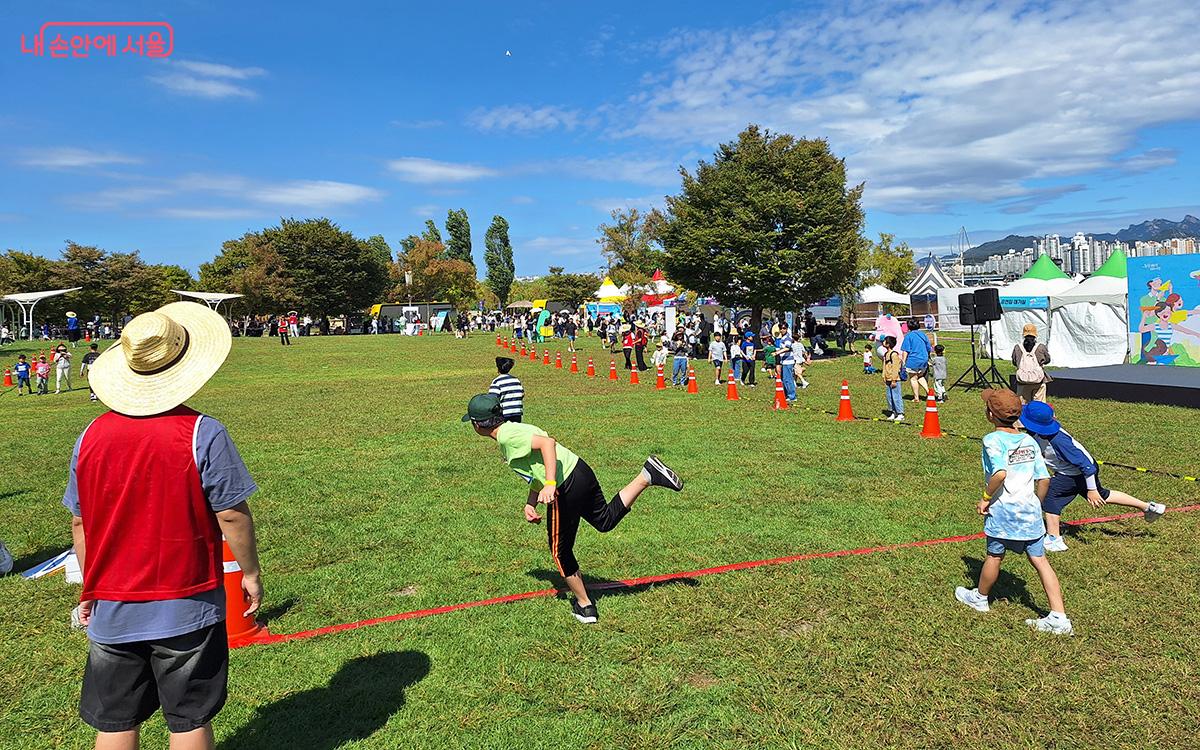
[522, 118]
[426, 211]
[121, 197]
[207, 80]
[522, 200]
[636, 168]
[209, 213]
[608, 205]
[67, 157]
[931, 104]
[417, 169]
[316, 194]
[216, 70]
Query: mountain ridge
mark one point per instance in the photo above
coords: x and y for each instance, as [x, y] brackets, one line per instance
[1154, 230]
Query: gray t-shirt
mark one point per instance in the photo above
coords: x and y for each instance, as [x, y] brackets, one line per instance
[226, 483]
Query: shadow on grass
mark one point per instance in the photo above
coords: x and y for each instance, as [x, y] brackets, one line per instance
[25, 562]
[356, 703]
[12, 493]
[268, 614]
[602, 587]
[1008, 586]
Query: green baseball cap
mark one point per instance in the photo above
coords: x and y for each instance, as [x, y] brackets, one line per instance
[483, 407]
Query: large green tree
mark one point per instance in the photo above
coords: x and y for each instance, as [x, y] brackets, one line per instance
[770, 222]
[331, 271]
[884, 263]
[498, 257]
[631, 244]
[458, 246]
[571, 288]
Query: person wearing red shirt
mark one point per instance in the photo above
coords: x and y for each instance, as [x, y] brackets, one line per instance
[627, 344]
[640, 340]
[152, 488]
[283, 332]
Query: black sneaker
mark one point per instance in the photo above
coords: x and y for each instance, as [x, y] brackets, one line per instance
[587, 615]
[661, 474]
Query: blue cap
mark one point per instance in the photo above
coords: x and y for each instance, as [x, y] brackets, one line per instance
[1038, 416]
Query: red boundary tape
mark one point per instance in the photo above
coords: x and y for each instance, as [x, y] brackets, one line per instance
[647, 580]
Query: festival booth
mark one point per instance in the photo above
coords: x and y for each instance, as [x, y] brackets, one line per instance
[609, 298]
[877, 296]
[925, 291]
[659, 292]
[1026, 300]
[1089, 322]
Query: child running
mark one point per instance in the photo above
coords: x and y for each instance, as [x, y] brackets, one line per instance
[509, 390]
[1015, 484]
[716, 355]
[528, 450]
[23, 370]
[1076, 474]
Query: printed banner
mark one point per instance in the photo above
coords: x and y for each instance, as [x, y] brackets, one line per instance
[1164, 310]
[1024, 303]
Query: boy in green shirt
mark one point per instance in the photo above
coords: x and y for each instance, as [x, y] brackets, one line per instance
[570, 491]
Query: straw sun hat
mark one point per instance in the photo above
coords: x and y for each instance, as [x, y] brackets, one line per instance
[163, 358]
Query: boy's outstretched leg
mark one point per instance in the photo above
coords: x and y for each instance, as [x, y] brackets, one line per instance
[654, 474]
[1150, 511]
[1056, 622]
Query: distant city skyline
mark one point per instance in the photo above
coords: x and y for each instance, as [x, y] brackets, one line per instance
[1017, 117]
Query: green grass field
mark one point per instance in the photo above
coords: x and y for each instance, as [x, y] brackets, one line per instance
[376, 499]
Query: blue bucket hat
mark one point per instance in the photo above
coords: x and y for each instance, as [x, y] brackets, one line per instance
[1038, 417]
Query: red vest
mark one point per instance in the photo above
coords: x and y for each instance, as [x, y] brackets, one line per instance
[149, 531]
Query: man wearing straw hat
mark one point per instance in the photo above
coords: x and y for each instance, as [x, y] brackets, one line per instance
[153, 486]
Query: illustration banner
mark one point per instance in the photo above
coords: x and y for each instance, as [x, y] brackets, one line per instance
[1164, 310]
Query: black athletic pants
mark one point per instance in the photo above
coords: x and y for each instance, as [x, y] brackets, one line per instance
[579, 497]
[641, 361]
[628, 364]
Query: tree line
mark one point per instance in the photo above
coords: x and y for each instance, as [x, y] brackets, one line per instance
[769, 223]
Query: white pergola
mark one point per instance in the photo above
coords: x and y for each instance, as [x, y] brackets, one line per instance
[212, 299]
[28, 300]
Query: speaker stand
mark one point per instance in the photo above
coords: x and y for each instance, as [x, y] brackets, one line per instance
[991, 374]
[973, 377]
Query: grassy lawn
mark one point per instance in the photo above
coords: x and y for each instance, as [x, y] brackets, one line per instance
[376, 499]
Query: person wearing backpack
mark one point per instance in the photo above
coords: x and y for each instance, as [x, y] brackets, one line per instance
[1030, 358]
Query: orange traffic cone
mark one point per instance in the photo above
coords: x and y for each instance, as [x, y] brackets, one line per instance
[7, 378]
[546, 357]
[731, 393]
[633, 377]
[692, 381]
[497, 339]
[591, 368]
[574, 363]
[241, 629]
[932, 427]
[558, 360]
[87, 336]
[524, 351]
[845, 413]
[612, 369]
[780, 397]
[533, 354]
[660, 383]
[512, 346]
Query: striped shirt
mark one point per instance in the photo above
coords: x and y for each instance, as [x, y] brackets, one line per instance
[511, 393]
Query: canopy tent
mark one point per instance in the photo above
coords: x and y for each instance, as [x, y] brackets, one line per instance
[878, 294]
[931, 278]
[1089, 323]
[212, 299]
[659, 290]
[610, 292]
[28, 300]
[1026, 300]
[520, 304]
[927, 286]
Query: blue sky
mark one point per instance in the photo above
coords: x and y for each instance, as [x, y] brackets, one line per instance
[995, 116]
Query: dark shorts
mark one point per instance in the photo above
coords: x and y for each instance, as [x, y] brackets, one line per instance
[1066, 487]
[579, 498]
[125, 683]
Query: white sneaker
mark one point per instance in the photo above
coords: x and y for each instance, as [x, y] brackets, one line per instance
[6, 560]
[1055, 544]
[1154, 512]
[1055, 623]
[972, 598]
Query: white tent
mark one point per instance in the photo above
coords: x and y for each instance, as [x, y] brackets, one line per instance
[878, 294]
[1089, 323]
[212, 299]
[610, 292]
[1026, 300]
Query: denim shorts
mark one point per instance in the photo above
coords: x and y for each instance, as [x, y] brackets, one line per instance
[1032, 547]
